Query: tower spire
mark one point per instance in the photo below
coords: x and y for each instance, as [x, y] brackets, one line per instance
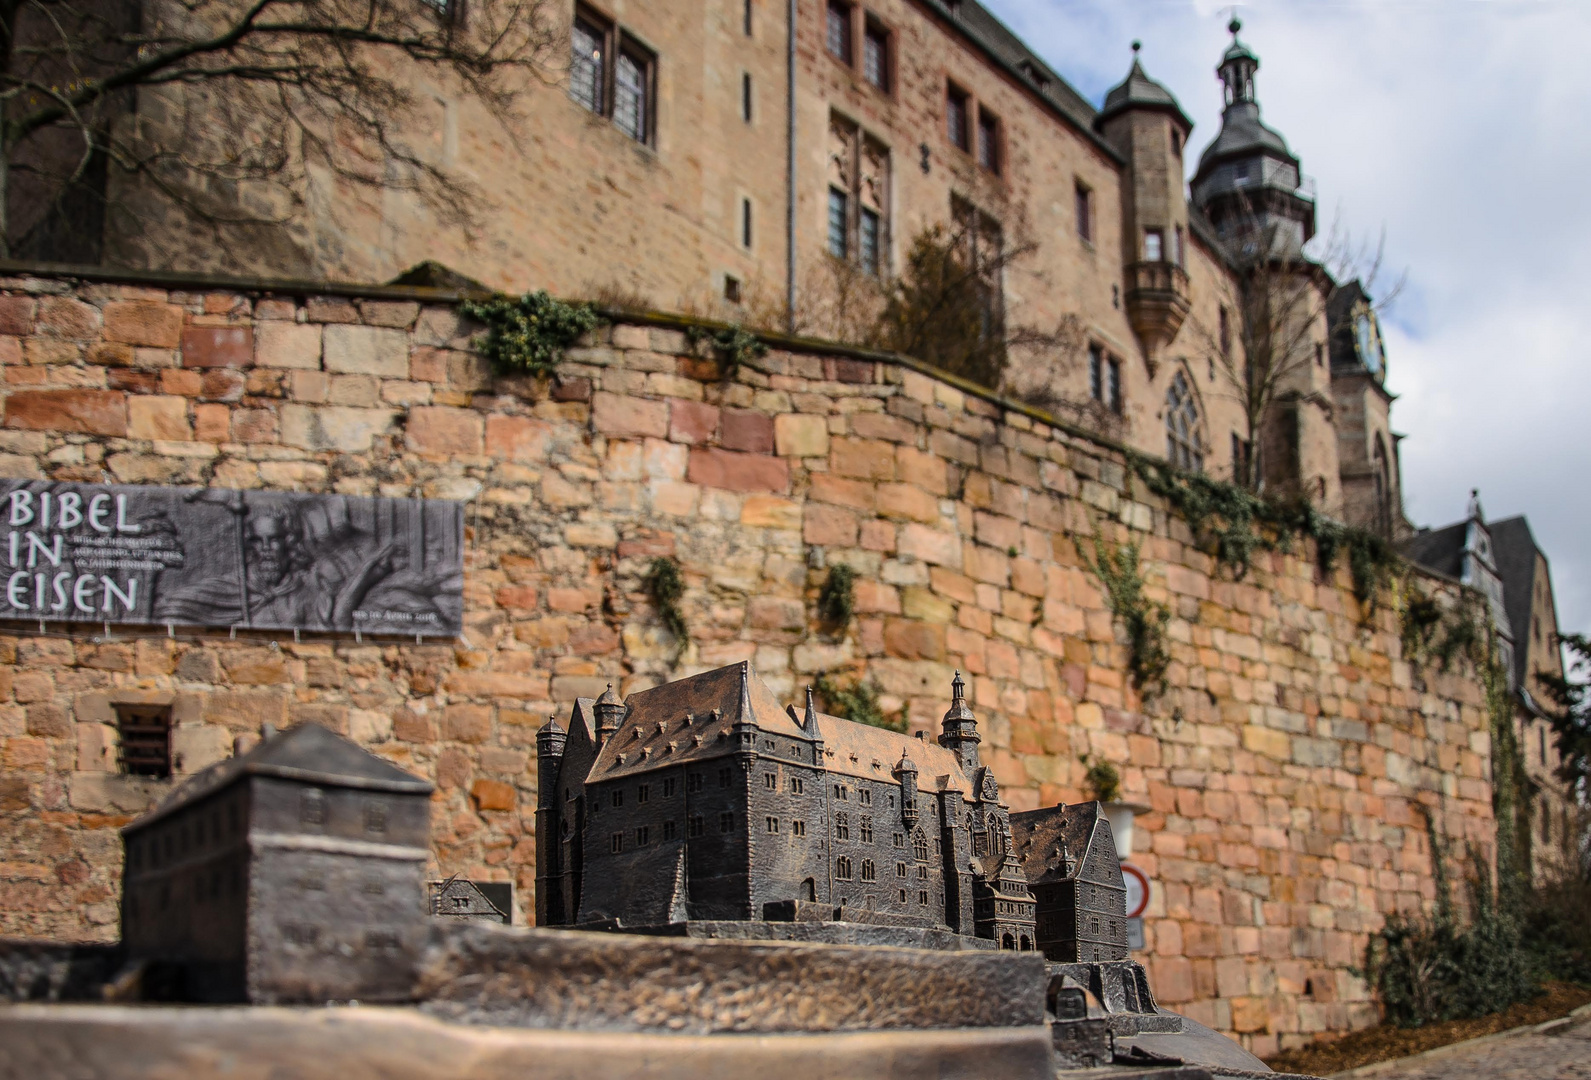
[959, 730]
[1237, 68]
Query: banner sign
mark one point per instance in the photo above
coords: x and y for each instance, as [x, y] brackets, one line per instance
[260, 560]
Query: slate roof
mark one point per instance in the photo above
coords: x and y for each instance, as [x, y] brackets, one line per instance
[1441, 549]
[307, 753]
[1514, 550]
[1243, 134]
[1138, 90]
[674, 723]
[1038, 835]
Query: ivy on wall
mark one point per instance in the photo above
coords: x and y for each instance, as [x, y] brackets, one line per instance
[666, 585]
[528, 336]
[1116, 566]
[837, 597]
[734, 345]
[857, 701]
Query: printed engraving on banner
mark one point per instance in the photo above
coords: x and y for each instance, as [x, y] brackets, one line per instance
[217, 558]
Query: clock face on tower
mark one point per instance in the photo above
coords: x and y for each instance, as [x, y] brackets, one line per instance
[1369, 343]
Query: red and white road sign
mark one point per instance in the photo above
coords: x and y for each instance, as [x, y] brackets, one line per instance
[1137, 889]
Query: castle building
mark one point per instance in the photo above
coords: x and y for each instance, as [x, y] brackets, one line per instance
[292, 872]
[704, 799]
[1069, 856]
[718, 158]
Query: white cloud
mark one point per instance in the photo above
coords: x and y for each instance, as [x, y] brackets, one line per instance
[1460, 127]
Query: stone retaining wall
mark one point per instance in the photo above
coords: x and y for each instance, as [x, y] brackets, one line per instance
[1283, 768]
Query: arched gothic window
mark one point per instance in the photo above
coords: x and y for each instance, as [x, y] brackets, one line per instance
[1183, 442]
[1381, 476]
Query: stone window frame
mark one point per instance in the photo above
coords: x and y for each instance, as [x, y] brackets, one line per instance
[839, 31]
[877, 31]
[1083, 210]
[1183, 418]
[960, 115]
[991, 142]
[858, 215]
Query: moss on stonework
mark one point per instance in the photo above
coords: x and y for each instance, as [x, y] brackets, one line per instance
[857, 701]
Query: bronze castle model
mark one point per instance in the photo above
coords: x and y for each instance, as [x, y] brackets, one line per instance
[704, 799]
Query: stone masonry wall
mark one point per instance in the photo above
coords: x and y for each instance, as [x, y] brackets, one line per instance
[1283, 769]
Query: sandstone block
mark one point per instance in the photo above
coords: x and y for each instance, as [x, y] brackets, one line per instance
[143, 322]
[92, 412]
[517, 438]
[437, 429]
[770, 512]
[801, 435]
[16, 315]
[776, 613]
[930, 545]
[612, 414]
[907, 501]
[907, 639]
[736, 471]
[158, 417]
[212, 423]
[492, 795]
[747, 430]
[863, 459]
[366, 350]
[287, 345]
[217, 346]
[692, 422]
[467, 723]
[829, 526]
[333, 427]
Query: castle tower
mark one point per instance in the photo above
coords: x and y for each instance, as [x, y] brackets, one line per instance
[1143, 121]
[1248, 181]
[550, 743]
[905, 773]
[610, 713]
[958, 732]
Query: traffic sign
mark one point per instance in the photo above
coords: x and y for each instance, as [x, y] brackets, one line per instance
[1137, 889]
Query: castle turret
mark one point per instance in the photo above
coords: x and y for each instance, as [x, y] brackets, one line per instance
[1143, 121]
[550, 743]
[1248, 183]
[905, 773]
[958, 733]
[610, 712]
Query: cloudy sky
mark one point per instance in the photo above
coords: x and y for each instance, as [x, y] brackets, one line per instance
[1462, 127]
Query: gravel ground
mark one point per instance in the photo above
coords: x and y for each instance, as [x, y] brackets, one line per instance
[1563, 1053]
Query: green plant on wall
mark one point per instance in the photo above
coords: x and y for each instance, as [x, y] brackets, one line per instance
[1116, 566]
[528, 336]
[1102, 780]
[666, 585]
[735, 345]
[837, 598]
[858, 701]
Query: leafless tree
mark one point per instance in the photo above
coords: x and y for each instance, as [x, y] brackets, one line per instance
[225, 113]
[1272, 321]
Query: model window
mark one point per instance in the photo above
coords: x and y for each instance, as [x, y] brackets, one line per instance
[869, 872]
[900, 839]
[956, 118]
[643, 836]
[988, 142]
[842, 868]
[668, 830]
[745, 97]
[798, 828]
[839, 224]
[922, 872]
[1183, 443]
[723, 777]
[1152, 245]
[311, 811]
[615, 843]
[920, 847]
[770, 781]
[842, 827]
[866, 796]
[375, 816]
[796, 786]
[867, 830]
[837, 32]
[668, 788]
[773, 825]
[922, 897]
[726, 822]
[900, 869]
[1085, 213]
[632, 91]
[840, 792]
[618, 798]
[875, 55]
[698, 825]
[588, 63]
[643, 792]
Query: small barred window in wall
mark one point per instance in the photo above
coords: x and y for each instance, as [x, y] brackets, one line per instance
[838, 225]
[956, 128]
[875, 56]
[838, 31]
[630, 92]
[988, 142]
[1182, 426]
[587, 66]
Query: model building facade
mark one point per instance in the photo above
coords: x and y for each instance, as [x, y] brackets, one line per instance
[704, 799]
[1069, 858]
[293, 872]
